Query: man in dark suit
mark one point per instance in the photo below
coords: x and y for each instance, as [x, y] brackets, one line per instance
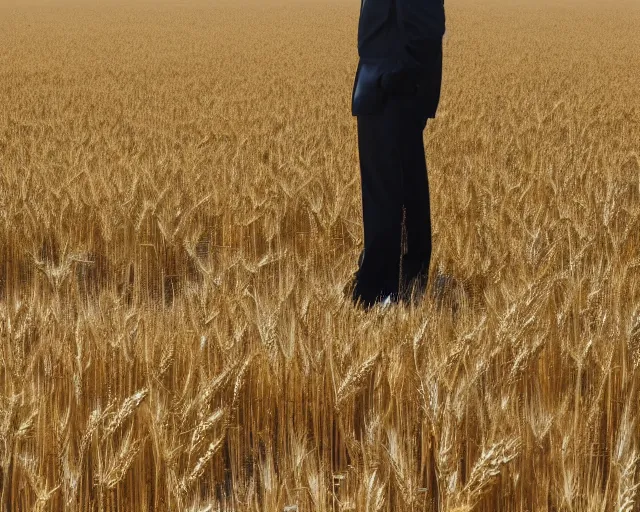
[396, 89]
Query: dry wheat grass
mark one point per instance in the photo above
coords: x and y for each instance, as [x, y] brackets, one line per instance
[179, 211]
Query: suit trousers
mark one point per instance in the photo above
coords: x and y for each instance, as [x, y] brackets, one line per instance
[395, 200]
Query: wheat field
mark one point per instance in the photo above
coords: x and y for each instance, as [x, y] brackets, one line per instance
[180, 210]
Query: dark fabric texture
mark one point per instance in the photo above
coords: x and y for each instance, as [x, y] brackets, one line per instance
[399, 42]
[394, 181]
[368, 95]
[396, 89]
[398, 28]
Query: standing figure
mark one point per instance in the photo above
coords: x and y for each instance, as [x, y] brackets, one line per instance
[396, 89]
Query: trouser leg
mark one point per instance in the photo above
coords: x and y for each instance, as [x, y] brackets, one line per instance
[394, 176]
[415, 263]
[381, 181]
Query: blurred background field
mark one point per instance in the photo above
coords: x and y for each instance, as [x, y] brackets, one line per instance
[180, 210]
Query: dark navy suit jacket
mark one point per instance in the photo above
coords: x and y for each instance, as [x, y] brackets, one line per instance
[399, 41]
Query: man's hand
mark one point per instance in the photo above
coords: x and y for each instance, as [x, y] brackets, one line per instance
[402, 82]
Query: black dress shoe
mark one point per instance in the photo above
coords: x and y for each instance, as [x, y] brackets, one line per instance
[351, 291]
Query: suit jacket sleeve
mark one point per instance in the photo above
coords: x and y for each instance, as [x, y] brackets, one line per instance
[422, 22]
